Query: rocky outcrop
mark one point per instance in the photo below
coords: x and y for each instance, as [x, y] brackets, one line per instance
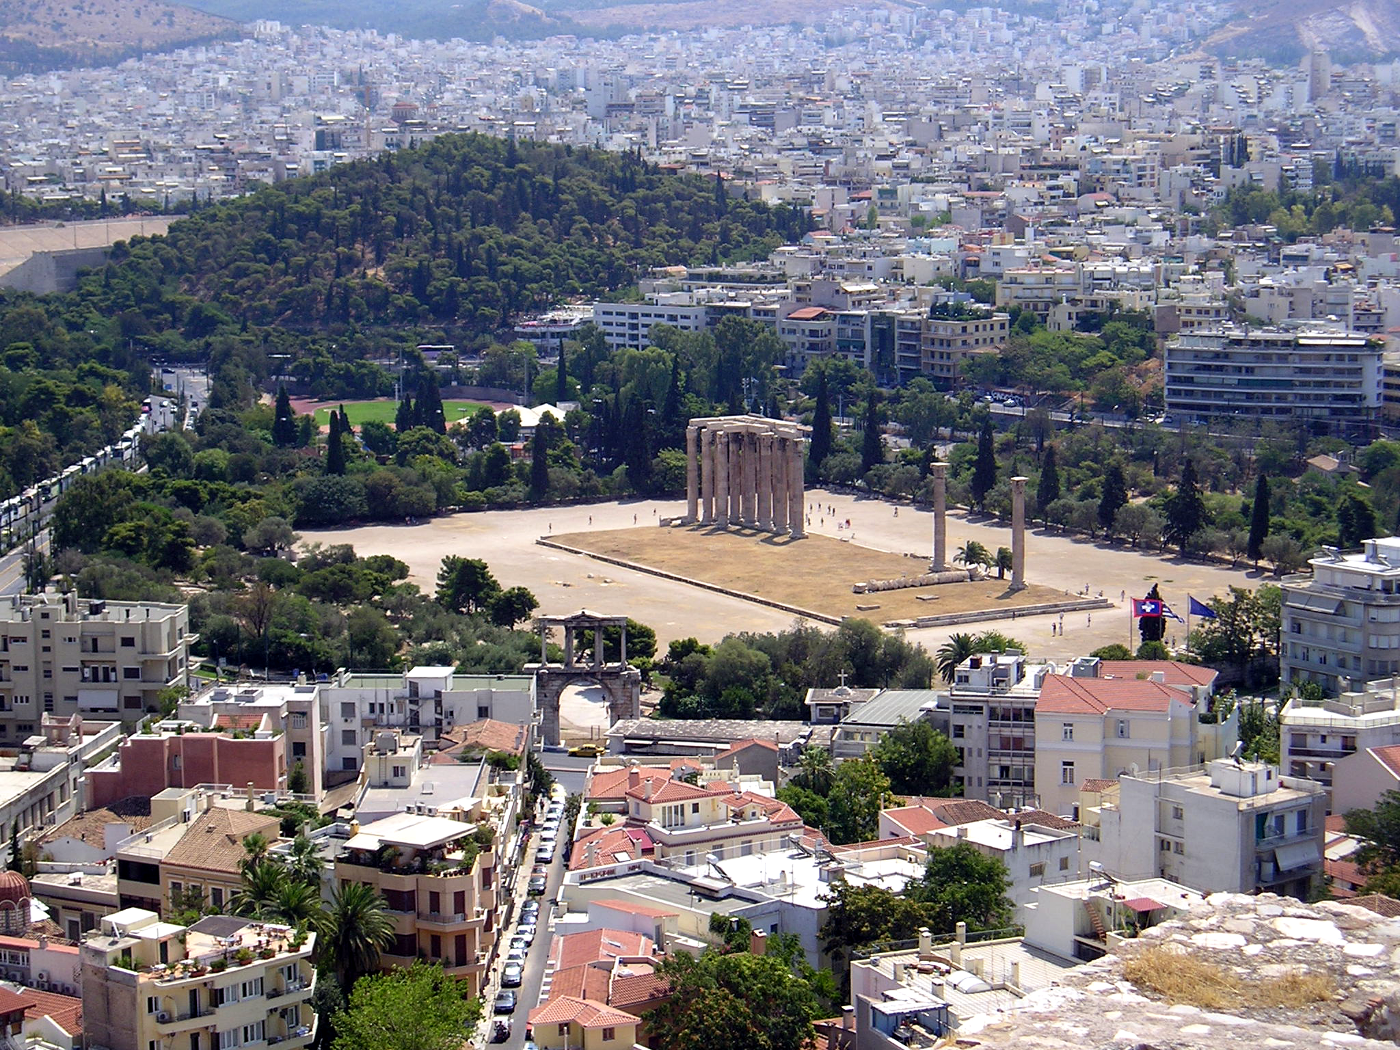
[1250, 941]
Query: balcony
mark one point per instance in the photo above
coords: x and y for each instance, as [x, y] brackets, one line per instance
[175, 1023]
[438, 918]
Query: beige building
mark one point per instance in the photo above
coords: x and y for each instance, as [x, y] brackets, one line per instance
[62, 655]
[220, 984]
[438, 875]
[569, 1023]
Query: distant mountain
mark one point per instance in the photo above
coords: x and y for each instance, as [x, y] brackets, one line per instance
[424, 19]
[49, 34]
[1285, 30]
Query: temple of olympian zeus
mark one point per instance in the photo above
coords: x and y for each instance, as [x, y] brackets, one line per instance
[1018, 525]
[745, 471]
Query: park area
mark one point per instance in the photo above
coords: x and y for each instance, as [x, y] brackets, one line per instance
[380, 411]
[814, 574]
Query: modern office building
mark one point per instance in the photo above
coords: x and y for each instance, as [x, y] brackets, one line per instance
[1283, 374]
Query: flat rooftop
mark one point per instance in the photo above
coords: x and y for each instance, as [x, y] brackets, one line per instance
[414, 830]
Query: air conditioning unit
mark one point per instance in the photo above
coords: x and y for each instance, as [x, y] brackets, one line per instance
[41, 976]
[162, 1017]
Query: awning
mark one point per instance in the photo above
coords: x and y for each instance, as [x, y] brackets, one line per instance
[1143, 904]
[1314, 603]
[1297, 855]
[99, 699]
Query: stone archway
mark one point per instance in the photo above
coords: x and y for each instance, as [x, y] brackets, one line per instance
[620, 682]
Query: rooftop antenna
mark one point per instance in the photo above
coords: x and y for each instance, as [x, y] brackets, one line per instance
[1237, 753]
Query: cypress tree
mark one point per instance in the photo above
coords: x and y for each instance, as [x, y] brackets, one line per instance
[1259, 520]
[1186, 510]
[335, 447]
[1048, 490]
[403, 418]
[284, 424]
[561, 380]
[430, 412]
[984, 471]
[821, 427]
[1151, 628]
[1114, 496]
[872, 451]
[539, 462]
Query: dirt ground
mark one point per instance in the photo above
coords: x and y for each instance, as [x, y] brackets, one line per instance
[814, 573]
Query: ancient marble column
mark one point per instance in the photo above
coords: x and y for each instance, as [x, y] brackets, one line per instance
[692, 476]
[750, 467]
[765, 481]
[1018, 533]
[722, 480]
[778, 455]
[707, 476]
[940, 516]
[796, 493]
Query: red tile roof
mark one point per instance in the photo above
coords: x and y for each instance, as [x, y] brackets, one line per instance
[1378, 903]
[1094, 784]
[238, 721]
[611, 846]
[486, 734]
[916, 820]
[13, 1003]
[1388, 757]
[66, 1011]
[588, 981]
[1044, 819]
[670, 791]
[1063, 695]
[807, 313]
[1174, 671]
[638, 989]
[578, 949]
[584, 1012]
[610, 785]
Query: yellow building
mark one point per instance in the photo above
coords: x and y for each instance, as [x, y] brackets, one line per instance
[221, 984]
[438, 878]
[567, 1023]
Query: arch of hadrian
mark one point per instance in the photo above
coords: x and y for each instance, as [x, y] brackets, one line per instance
[746, 471]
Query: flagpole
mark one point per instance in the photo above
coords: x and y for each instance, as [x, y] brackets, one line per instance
[1188, 625]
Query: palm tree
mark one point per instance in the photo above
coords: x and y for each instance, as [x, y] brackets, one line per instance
[296, 903]
[972, 553]
[303, 862]
[954, 651]
[1003, 561]
[817, 769]
[258, 895]
[254, 849]
[353, 930]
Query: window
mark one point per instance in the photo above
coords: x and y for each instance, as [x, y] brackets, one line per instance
[1064, 864]
[609, 1034]
[1066, 772]
[175, 761]
[1122, 729]
[347, 709]
[695, 807]
[224, 996]
[347, 764]
[1038, 871]
[347, 737]
[152, 1004]
[131, 672]
[400, 771]
[1178, 813]
[249, 990]
[128, 641]
[228, 1040]
[298, 721]
[959, 732]
[1067, 731]
[175, 888]
[298, 749]
[1302, 821]
[483, 712]
[216, 896]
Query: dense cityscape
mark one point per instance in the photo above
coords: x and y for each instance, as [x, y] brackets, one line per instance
[868, 531]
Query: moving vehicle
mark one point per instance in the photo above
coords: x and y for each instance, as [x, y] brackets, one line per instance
[500, 1031]
[587, 750]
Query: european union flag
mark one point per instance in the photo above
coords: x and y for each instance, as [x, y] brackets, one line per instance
[1205, 612]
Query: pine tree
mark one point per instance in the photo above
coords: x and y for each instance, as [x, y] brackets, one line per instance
[1259, 520]
[872, 451]
[1186, 510]
[821, 427]
[984, 471]
[1048, 490]
[335, 447]
[1114, 496]
[284, 424]
[403, 418]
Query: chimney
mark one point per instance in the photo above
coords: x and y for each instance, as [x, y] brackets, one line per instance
[848, 1018]
[646, 791]
[758, 942]
[960, 931]
[1015, 979]
[1160, 677]
[249, 807]
[1018, 834]
[634, 776]
[925, 943]
[955, 952]
[962, 831]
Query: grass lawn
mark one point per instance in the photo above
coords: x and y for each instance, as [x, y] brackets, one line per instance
[383, 411]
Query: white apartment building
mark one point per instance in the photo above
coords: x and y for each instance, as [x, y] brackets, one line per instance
[625, 325]
[1226, 827]
[1034, 854]
[1315, 737]
[63, 655]
[1273, 373]
[423, 700]
[1341, 624]
[991, 721]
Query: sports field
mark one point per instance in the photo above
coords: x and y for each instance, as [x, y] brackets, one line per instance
[382, 411]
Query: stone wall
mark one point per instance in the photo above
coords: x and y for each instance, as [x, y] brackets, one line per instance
[1253, 938]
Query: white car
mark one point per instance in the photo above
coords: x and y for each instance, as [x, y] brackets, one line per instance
[545, 854]
[549, 834]
[515, 955]
[525, 932]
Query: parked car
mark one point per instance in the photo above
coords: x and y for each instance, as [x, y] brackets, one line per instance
[545, 854]
[505, 1002]
[518, 942]
[525, 932]
[587, 750]
[515, 955]
[536, 885]
[512, 973]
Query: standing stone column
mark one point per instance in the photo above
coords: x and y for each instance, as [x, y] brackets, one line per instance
[750, 467]
[1018, 534]
[796, 493]
[692, 476]
[707, 476]
[940, 516]
[736, 478]
[722, 480]
[765, 482]
[778, 455]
